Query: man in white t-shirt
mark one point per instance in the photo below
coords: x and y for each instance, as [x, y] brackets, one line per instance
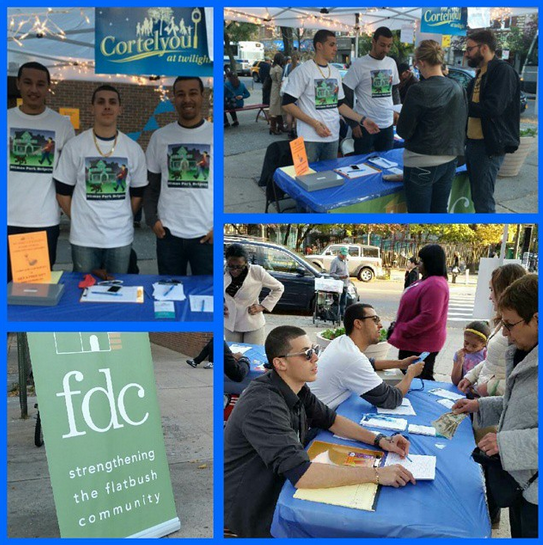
[178, 203]
[100, 180]
[344, 369]
[36, 136]
[373, 79]
[314, 96]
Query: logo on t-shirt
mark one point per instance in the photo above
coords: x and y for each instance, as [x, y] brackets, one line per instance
[381, 83]
[188, 165]
[106, 178]
[31, 150]
[326, 93]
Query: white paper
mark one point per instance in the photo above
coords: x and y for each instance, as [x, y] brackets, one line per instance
[382, 162]
[362, 170]
[324, 458]
[440, 392]
[384, 422]
[235, 348]
[168, 292]
[405, 409]
[164, 309]
[100, 294]
[422, 467]
[421, 430]
[395, 170]
[201, 303]
[446, 403]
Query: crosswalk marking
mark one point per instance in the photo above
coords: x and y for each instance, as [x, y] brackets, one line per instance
[461, 306]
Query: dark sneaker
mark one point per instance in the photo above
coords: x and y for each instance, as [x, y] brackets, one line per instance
[192, 363]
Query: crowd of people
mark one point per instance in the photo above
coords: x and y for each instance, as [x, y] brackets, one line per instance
[281, 411]
[442, 124]
[101, 179]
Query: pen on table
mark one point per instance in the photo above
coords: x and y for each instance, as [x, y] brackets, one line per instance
[169, 290]
[408, 458]
[110, 293]
[203, 304]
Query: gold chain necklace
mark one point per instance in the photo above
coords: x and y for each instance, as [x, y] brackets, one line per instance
[110, 153]
[321, 72]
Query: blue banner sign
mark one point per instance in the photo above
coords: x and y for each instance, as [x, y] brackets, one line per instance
[448, 21]
[152, 41]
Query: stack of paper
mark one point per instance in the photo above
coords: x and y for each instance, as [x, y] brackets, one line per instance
[168, 292]
[421, 430]
[356, 171]
[405, 409]
[440, 392]
[384, 422]
[201, 303]
[423, 468]
[101, 294]
[235, 348]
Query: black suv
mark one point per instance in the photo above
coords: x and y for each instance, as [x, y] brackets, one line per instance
[292, 270]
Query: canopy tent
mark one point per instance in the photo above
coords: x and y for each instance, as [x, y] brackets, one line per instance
[338, 19]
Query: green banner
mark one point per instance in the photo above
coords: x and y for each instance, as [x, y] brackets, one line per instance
[103, 434]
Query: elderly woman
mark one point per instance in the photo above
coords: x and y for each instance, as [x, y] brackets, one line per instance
[515, 413]
[421, 323]
[243, 313]
[433, 124]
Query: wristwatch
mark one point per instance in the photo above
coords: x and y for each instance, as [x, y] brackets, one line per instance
[378, 438]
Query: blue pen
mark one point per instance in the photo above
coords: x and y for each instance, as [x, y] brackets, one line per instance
[169, 290]
[203, 304]
[111, 293]
[409, 459]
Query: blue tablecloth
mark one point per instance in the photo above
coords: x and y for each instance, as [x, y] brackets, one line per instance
[70, 309]
[257, 357]
[453, 505]
[352, 192]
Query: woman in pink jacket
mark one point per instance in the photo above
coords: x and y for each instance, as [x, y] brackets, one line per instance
[421, 323]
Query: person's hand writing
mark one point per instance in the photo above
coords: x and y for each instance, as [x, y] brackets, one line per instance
[158, 229]
[207, 238]
[395, 475]
[395, 443]
[464, 385]
[489, 444]
[255, 309]
[406, 362]
[465, 406]
[321, 129]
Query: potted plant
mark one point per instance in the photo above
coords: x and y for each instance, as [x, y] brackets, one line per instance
[513, 161]
[378, 351]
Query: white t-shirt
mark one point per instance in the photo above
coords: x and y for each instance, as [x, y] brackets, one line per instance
[34, 145]
[183, 157]
[101, 208]
[342, 371]
[372, 81]
[318, 90]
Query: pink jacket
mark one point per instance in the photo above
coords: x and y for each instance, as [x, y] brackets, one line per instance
[421, 323]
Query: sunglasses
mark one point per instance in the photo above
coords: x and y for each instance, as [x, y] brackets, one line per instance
[316, 349]
[236, 267]
[375, 318]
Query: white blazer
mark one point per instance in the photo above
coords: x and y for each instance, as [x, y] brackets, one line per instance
[239, 320]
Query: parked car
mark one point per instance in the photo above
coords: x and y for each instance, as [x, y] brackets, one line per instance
[227, 67]
[291, 269]
[255, 71]
[364, 261]
[464, 75]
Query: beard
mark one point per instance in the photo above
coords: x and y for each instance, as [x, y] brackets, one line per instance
[474, 62]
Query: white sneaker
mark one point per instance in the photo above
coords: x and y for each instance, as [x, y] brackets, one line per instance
[208, 365]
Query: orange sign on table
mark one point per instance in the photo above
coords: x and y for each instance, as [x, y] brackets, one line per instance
[299, 156]
[29, 257]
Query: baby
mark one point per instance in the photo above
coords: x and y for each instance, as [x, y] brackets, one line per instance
[476, 337]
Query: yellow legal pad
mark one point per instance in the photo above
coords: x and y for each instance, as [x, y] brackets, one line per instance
[357, 496]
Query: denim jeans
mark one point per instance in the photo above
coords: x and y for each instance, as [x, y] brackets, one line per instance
[482, 172]
[52, 239]
[174, 254]
[382, 141]
[113, 260]
[321, 151]
[427, 189]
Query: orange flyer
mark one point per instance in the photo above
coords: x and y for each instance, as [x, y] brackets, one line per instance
[299, 156]
[29, 257]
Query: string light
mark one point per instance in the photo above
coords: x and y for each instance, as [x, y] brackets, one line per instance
[501, 14]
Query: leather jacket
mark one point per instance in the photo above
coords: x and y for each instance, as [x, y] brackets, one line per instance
[434, 116]
[498, 107]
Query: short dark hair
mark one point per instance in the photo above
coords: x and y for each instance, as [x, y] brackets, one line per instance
[413, 260]
[434, 260]
[484, 36]
[236, 250]
[34, 66]
[403, 67]
[382, 31]
[321, 36]
[278, 342]
[185, 78]
[105, 87]
[354, 312]
[481, 327]
[521, 296]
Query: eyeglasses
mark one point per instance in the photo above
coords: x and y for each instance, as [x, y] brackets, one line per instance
[509, 327]
[316, 349]
[375, 318]
[236, 267]
[468, 49]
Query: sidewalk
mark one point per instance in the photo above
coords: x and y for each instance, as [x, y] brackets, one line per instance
[186, 399]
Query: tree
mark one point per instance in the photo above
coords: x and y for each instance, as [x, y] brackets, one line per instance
[235, 32]
[160, 15]
[287, 35]
[399, 51]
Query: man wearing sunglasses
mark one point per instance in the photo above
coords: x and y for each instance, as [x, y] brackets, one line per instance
[345, 369]
[494, 117]
[265, 437]
[516, 412]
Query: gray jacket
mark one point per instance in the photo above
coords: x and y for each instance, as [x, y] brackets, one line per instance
[338, 268]
[515, 413]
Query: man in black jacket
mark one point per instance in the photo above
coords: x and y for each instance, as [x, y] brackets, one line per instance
[494, 117]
